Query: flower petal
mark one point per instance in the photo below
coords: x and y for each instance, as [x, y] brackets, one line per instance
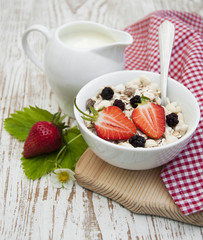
[68, 184]
[54, 177]
[58, 185]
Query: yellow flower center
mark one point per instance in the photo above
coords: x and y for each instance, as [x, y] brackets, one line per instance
[63, 177]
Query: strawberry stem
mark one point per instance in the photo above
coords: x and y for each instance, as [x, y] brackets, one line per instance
[73, 139]
[59, 156]
[88, 117]
[58, 120]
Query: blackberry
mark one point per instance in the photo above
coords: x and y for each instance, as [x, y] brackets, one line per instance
[119, 103]
[172, 119]
[137, 141]
[107, 93]
[134, 100]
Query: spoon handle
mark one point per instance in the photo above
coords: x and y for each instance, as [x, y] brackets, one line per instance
[166, 37]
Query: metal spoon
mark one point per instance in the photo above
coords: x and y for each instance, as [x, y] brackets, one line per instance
[166, 38]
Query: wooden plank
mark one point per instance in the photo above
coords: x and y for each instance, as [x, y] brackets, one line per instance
[139, 191]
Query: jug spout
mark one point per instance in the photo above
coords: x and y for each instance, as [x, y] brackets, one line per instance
[121, 38]
[113, 53]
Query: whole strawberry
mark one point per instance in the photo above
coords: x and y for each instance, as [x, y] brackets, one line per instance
[44, 137]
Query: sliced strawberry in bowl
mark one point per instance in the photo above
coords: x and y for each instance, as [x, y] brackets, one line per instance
[150, 119]
[113, 124]
[110, 123]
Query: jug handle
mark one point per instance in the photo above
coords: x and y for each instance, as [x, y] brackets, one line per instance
[26, 46]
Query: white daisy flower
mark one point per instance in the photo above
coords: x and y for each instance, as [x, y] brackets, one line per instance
[62, 177]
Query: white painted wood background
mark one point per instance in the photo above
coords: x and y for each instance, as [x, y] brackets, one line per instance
[34, 209]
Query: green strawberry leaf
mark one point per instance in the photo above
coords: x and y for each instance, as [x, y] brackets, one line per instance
[73, 146]
[20, 123]
[76, 146]
[36, 167]
[144, 100]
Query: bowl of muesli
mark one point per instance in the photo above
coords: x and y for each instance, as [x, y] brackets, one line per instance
[123, 122]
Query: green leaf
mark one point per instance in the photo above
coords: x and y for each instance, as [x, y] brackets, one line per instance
[144, 100]
[36, 167]
[20, 123]
[76, 146]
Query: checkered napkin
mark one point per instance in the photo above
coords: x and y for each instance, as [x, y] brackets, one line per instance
[183, 176]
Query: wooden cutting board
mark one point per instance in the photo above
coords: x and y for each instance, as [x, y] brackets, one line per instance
[141, 192]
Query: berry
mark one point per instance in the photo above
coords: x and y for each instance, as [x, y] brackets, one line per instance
[107, 93]
[44, 137]
[111, 123]
[150, 119]
[134, 100]
[172, 119]
[137, 141]
[119, 103]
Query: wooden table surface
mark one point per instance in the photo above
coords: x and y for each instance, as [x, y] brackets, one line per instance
[35, 209]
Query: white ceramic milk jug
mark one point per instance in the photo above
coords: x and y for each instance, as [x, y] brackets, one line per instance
[76, 53]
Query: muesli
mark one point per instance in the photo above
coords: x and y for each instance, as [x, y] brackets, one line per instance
[140, 102]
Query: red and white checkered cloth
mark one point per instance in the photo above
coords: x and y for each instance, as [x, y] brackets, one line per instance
[183, 176]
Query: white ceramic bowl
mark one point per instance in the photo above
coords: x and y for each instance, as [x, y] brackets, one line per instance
[137, 158]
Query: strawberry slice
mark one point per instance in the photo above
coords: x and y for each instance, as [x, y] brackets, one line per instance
[110, 123]
[150, 119]
[113, 124]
